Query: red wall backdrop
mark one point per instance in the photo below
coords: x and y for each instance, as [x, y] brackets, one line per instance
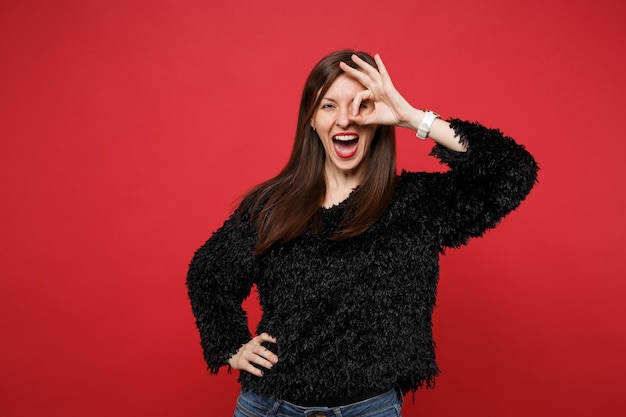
[130, 128]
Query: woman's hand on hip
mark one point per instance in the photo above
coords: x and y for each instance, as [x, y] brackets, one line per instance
[254, 353]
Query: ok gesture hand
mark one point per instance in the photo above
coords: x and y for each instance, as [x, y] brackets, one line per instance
[390, 108]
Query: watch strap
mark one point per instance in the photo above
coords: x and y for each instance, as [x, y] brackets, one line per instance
[427, 122]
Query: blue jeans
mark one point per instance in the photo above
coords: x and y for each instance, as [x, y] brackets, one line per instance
[251, 404]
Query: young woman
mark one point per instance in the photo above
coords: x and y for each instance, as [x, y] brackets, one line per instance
[344, 252]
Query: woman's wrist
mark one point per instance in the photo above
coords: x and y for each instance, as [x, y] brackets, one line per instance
[413, 119]
[424, 128]
[440, 130]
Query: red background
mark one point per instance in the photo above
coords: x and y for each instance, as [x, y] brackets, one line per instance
[130, 128]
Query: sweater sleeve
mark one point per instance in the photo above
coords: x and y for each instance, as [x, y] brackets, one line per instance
[483, 184]
[220, 277]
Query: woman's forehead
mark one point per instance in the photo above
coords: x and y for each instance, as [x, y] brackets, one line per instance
[343, 86]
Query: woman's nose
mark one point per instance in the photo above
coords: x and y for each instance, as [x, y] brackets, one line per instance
[344, 118]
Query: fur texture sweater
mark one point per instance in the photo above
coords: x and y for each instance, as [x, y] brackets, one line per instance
[354, 316]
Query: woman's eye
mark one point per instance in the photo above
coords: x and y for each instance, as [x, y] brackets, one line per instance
[327, 106]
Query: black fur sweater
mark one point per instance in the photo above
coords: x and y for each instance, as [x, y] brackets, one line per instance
[355, 316]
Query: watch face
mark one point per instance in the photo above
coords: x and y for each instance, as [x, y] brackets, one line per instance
[428, 119]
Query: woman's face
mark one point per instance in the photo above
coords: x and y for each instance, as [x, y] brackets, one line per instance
[345, 142]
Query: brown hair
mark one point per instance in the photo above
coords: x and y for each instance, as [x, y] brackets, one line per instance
[288, 205]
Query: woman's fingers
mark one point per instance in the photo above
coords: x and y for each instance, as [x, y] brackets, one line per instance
[360, 98]
[264, 337]
[254, 357]
[365, 67]
[263, 352]
[360, 76]
[254, 352]
[390, 108]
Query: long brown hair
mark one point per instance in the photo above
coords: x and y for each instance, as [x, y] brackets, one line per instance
[288, 205]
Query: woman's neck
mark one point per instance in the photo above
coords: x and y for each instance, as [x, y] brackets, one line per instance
[338, 187]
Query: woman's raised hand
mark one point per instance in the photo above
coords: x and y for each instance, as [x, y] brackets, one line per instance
[390, 108]
[254, 352]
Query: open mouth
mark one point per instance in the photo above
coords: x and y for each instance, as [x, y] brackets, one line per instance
[346, 144]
